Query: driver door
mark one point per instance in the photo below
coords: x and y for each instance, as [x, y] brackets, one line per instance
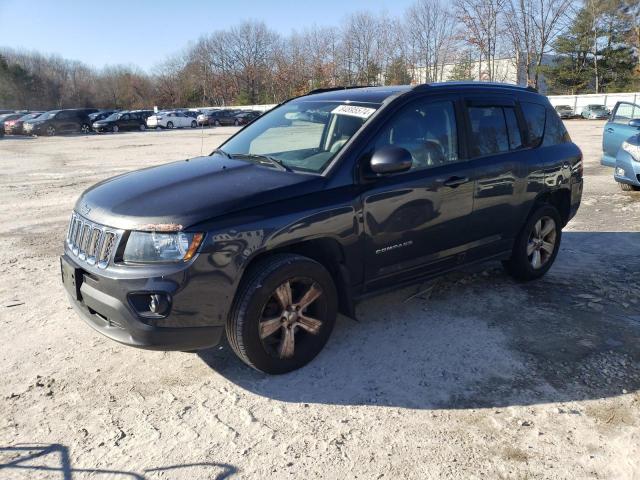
[617, 130]
[417, 221]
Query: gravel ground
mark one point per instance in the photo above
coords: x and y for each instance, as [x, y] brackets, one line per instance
[471, 376]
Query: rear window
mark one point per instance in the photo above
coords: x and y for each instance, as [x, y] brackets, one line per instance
[555, 133]
[535, 116]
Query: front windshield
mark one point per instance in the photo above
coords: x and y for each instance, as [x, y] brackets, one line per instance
[302, 135]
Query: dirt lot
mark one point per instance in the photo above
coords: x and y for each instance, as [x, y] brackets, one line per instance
[475, 377]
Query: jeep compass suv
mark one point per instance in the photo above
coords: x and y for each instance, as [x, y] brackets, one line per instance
[328, 198]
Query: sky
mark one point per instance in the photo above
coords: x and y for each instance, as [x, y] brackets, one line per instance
[144, 33]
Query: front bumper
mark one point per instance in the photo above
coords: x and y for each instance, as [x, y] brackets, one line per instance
[104, 303]
[627, 169]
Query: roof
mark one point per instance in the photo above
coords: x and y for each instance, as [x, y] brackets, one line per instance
[476, 84]
[380, 94]
[357, 94]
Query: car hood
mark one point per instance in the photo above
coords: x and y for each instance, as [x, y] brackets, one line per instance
[188, 192]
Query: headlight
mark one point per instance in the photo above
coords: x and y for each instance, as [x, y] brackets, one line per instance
[155, 247]
[631, 149]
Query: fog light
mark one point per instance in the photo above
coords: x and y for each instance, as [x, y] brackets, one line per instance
[151, 305]
[620, 171]
[158, 304]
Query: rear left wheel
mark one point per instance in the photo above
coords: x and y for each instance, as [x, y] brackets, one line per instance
[194, 124]
[85, 129]
[283, 314]
[537, 245]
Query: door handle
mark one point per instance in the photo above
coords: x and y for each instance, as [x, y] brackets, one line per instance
[454, 182]
[609, 130]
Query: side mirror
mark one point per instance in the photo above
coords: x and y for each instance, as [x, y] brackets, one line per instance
[635, 123]
[391, 160]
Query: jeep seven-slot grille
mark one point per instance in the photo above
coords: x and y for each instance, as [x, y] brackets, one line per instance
[91, 242]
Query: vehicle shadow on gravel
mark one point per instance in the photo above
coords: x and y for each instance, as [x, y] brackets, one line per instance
[479, 339]
[53, 461]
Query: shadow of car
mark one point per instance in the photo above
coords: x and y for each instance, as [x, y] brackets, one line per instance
[478, 339]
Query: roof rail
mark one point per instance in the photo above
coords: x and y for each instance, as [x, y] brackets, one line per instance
[478, 84]
[333, 89]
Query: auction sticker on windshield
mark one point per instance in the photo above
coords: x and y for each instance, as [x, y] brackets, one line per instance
[353, 111]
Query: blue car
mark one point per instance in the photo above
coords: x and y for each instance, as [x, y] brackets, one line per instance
[620, 145]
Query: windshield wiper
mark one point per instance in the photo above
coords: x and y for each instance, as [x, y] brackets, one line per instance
[221, 152]
[274, 161]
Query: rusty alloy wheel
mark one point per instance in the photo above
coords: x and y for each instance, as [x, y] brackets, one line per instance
[289, 312]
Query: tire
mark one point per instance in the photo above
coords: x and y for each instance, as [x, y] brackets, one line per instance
[237, 123]
[115, 129]
[531, 246]
[169, 124]
[216, 123]
[51, 131]
[85, 129]
[194, 124]
[625, 187]
[142, 127]
[261, 295]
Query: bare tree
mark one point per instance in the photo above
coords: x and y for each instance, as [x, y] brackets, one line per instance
[482, 20]
[532, 26]
[430, 27]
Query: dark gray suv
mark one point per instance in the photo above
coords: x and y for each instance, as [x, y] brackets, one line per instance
[323, 201]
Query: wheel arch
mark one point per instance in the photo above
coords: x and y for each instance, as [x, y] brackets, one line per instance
[560, 198]
[326, 251]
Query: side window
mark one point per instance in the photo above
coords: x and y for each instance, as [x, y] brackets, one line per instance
[488, 131]
[626, 112]
[515, 138]
[555, 133]
[535, 116]
[125, 117]
[63, 116]
[427, 130]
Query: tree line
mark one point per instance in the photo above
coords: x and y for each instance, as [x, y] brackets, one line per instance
[579, 46]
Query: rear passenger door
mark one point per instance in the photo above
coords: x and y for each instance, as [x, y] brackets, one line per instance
[494, 135]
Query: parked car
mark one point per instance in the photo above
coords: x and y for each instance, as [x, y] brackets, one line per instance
[565, 111]
[217, 118]
[9, 117]
[243, 118]
[293, 220]
[595, 112]
[121, 121]
[143, 113]
[171, 120]
[2, 112]
[14, 127]
[101, 115]
[620, 145]
[55, 122]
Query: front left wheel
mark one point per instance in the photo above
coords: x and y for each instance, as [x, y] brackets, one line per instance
[283, 314]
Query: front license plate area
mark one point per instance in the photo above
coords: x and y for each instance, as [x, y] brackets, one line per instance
[71, 278]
